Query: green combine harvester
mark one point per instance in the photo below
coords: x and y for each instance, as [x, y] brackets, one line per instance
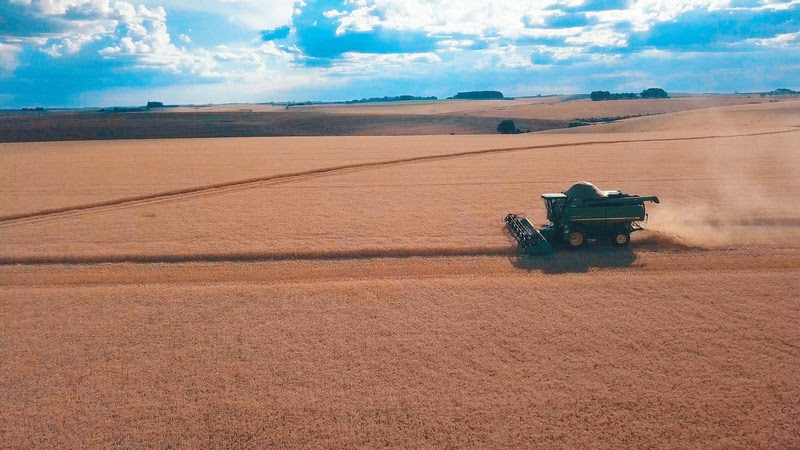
[579, 214]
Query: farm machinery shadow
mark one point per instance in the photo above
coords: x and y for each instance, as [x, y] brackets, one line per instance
[602, 255]
[563, 260]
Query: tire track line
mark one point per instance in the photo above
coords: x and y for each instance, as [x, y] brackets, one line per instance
[561, 261]
[535, 182]
[71, 211]
[322, 255]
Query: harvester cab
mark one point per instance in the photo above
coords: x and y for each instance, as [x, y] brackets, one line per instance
[579, 214]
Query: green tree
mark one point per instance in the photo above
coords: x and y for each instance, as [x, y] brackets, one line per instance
[507, 127]
[654, 93]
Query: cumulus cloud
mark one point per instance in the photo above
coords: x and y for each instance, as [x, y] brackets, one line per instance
[8, 58]
[63, 26]
[784, 40]
[335, 40]
[136, 34]
[584, 22]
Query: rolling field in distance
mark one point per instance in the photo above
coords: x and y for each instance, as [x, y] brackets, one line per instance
[440, 117]
[361, 291]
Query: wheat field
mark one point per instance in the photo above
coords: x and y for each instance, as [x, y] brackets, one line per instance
[361, 291]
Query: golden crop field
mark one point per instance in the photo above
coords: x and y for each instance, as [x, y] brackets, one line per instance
[361, 290]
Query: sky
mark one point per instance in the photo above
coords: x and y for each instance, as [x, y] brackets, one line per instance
[81, 53]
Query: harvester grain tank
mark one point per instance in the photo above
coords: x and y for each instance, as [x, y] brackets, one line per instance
[579, 214]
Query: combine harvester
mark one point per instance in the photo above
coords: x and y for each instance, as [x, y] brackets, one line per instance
[579, 214]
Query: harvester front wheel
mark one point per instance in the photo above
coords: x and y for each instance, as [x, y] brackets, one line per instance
[621, 238]
[576, 239]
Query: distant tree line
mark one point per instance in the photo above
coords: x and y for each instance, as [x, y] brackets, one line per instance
[154, 105]
[780, 92]
[397, 98]
[597, 96]
[647, 93]
[479, 95]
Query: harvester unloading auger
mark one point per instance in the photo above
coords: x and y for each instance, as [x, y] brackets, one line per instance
[581, 213]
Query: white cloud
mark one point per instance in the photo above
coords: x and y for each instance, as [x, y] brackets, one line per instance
[516, 18]
[66, 25]
[471, 17]
[9, 54]
[455, 44]
[380, 59]
[148, 44]
[37, 41]
[642, 14]
[356, 65]
[465, 35]
[332, 13]
[272, 49]
[138, 34]
[778, 5]
[544, 55]
[599, 36]
[786, 40]
[53, 50]
[506, 56]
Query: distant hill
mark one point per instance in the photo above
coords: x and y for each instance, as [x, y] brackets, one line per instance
[479, 95]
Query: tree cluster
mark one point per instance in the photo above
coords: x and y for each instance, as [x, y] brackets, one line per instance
[654, 93]
[605, 95]
[508, 127]
[647, 93]
[781, 92]
[479, 95]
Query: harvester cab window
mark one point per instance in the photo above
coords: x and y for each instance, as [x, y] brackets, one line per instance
[558, 205]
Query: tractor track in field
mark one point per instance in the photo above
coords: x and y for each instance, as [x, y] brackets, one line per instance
[321, 255]
[219, 188]
[534, 182]
[421, 263]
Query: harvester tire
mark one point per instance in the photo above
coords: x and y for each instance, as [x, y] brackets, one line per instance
[576, 239]
[621, 238]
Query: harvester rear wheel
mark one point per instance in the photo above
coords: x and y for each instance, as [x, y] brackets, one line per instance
[576, 239]
[621, 238]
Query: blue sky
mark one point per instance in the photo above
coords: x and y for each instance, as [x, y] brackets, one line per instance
[76, 53]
